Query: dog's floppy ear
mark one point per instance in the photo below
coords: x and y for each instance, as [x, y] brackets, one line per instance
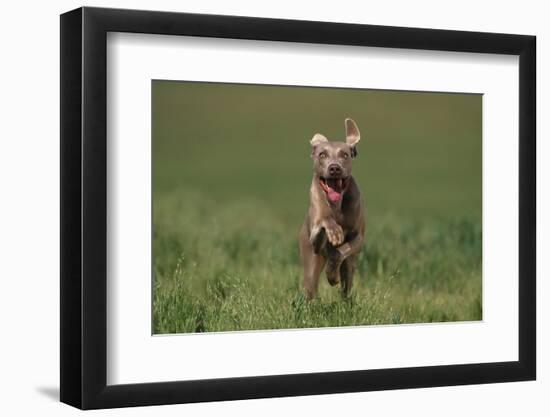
[317, 139]
[352, 133]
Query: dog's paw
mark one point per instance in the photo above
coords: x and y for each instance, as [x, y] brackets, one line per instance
[344, 250]
[335, 234]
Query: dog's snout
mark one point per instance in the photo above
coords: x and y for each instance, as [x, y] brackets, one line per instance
[334, 169]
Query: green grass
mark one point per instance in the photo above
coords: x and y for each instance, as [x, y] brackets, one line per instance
[231, 176]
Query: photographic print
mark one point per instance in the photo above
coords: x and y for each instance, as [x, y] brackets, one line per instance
[286, 207]
[329, 185]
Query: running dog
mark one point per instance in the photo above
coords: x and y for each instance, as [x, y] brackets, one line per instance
[333, 231]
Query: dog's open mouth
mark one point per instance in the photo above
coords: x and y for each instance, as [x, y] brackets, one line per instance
[334, 187]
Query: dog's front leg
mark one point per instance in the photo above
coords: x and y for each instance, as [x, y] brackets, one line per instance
[326, 229]
[338, 255]
[335, 233]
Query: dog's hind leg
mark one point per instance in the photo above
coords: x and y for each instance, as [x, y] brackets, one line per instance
[346, 275]
[313, 265]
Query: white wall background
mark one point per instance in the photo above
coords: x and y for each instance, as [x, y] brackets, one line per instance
[29, 209]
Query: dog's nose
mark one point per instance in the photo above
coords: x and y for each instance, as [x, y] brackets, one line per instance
[334, 169]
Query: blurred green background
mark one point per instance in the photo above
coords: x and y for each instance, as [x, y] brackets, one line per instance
[234, 160]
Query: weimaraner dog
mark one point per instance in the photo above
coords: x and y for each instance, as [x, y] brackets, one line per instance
[334, 227]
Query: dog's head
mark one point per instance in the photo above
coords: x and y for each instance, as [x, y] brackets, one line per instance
[332, 161]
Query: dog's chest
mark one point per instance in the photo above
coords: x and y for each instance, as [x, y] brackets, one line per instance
[346, 217]
[340, 217]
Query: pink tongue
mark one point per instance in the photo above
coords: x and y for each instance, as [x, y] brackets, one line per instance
[333, 196]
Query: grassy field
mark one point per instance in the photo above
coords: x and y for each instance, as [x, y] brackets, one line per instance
[231, 176]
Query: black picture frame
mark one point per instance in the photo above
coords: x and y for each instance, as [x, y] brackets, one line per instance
[84, 207]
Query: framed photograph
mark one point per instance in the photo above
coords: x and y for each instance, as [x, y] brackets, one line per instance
[257, 208]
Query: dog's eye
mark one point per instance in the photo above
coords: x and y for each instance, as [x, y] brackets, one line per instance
[322, 155]
[346, 156]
